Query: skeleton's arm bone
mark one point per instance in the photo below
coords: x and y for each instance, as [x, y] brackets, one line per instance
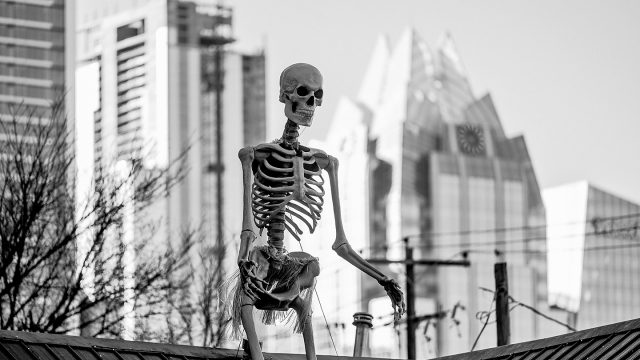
[247, 236]
[341, 245]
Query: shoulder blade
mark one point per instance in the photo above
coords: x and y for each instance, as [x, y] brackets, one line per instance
[322, 159]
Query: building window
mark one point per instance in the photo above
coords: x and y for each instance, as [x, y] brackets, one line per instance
[130, 30]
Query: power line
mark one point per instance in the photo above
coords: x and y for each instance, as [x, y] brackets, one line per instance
[525, 227]
[531, 308]
[425, 317]
[593, 248]
[508, 229]
[486, 315]
[469, 246]
[540, 238]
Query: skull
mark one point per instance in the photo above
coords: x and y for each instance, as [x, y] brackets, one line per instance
[301, 91]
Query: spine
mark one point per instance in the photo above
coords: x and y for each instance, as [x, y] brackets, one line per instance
[275, 231]
[290, 134]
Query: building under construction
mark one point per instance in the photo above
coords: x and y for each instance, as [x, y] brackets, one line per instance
[158, 81]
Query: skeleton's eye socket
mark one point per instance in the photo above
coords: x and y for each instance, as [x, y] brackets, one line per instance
[318, 94]
[302, 91]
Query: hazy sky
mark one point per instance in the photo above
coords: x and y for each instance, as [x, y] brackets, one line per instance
[566, 74]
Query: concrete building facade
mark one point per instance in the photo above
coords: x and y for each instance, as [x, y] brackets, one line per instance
[156, 82]
[36, 55]
[149, 78]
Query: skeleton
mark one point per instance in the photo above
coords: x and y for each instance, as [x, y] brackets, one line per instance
[283, 190]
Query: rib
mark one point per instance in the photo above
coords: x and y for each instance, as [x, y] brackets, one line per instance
[293, 223]
[293, 233]
[274, 179]
[281, 158]
[301, 217]
[304, 211]
[274, 189]
[271, 167]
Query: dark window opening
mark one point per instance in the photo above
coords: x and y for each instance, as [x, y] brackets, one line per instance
[130, 30]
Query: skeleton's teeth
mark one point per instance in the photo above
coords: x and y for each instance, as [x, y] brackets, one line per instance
[305, 112]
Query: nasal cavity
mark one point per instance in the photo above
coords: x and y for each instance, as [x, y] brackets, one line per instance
[311, 100]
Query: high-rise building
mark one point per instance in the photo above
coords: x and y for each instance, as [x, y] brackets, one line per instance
[36, 55]
[593, 254]
[156, 79]
[422, 157]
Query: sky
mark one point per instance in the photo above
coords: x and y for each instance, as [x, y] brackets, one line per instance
[565, 74]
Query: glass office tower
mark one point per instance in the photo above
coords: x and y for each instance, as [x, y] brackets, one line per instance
[593, 254]
[423, 157]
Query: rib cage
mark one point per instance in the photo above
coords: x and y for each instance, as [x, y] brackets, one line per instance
[278, 199]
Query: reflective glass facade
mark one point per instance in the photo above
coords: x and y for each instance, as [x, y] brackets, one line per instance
[442, 171]
[598, 270]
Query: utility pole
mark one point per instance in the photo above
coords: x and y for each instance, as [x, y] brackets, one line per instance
[502, 303]
[213, 36]
[411, 311]
[409, 263]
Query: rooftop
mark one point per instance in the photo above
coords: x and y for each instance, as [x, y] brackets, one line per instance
[616, 341]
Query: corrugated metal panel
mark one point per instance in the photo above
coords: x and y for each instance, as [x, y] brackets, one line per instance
[125, 355]
[560, 353]
[62, 352]
[18, 351]
[3, 355]
[620, 347]
[107, 355]
[87, 354]
[613, 342]
[546, 354]
[594, 345]
[41, 352]
[608, 345]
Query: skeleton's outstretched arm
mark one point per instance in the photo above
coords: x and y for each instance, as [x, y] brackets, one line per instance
[247, 236]
[341, 245]
[343, 248]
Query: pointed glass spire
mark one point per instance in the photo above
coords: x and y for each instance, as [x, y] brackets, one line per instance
[374, 77]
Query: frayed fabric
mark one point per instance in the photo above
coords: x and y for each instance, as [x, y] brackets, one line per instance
[282, 277]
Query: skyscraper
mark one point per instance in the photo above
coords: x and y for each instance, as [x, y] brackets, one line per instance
[36, 54]
[155, 79]
[423, 157]
[158, 81]
[593, 254]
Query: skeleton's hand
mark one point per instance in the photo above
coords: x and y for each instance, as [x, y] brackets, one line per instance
[251, 284]
[395, 294]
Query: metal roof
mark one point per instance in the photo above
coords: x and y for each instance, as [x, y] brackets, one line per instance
[612, 342]
[18, 345]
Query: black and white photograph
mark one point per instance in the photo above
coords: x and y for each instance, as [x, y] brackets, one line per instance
[304, 180]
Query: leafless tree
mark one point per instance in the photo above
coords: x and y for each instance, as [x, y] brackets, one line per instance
[65, 268]
[195, 316]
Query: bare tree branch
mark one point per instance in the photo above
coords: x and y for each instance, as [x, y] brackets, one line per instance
[66, 268]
